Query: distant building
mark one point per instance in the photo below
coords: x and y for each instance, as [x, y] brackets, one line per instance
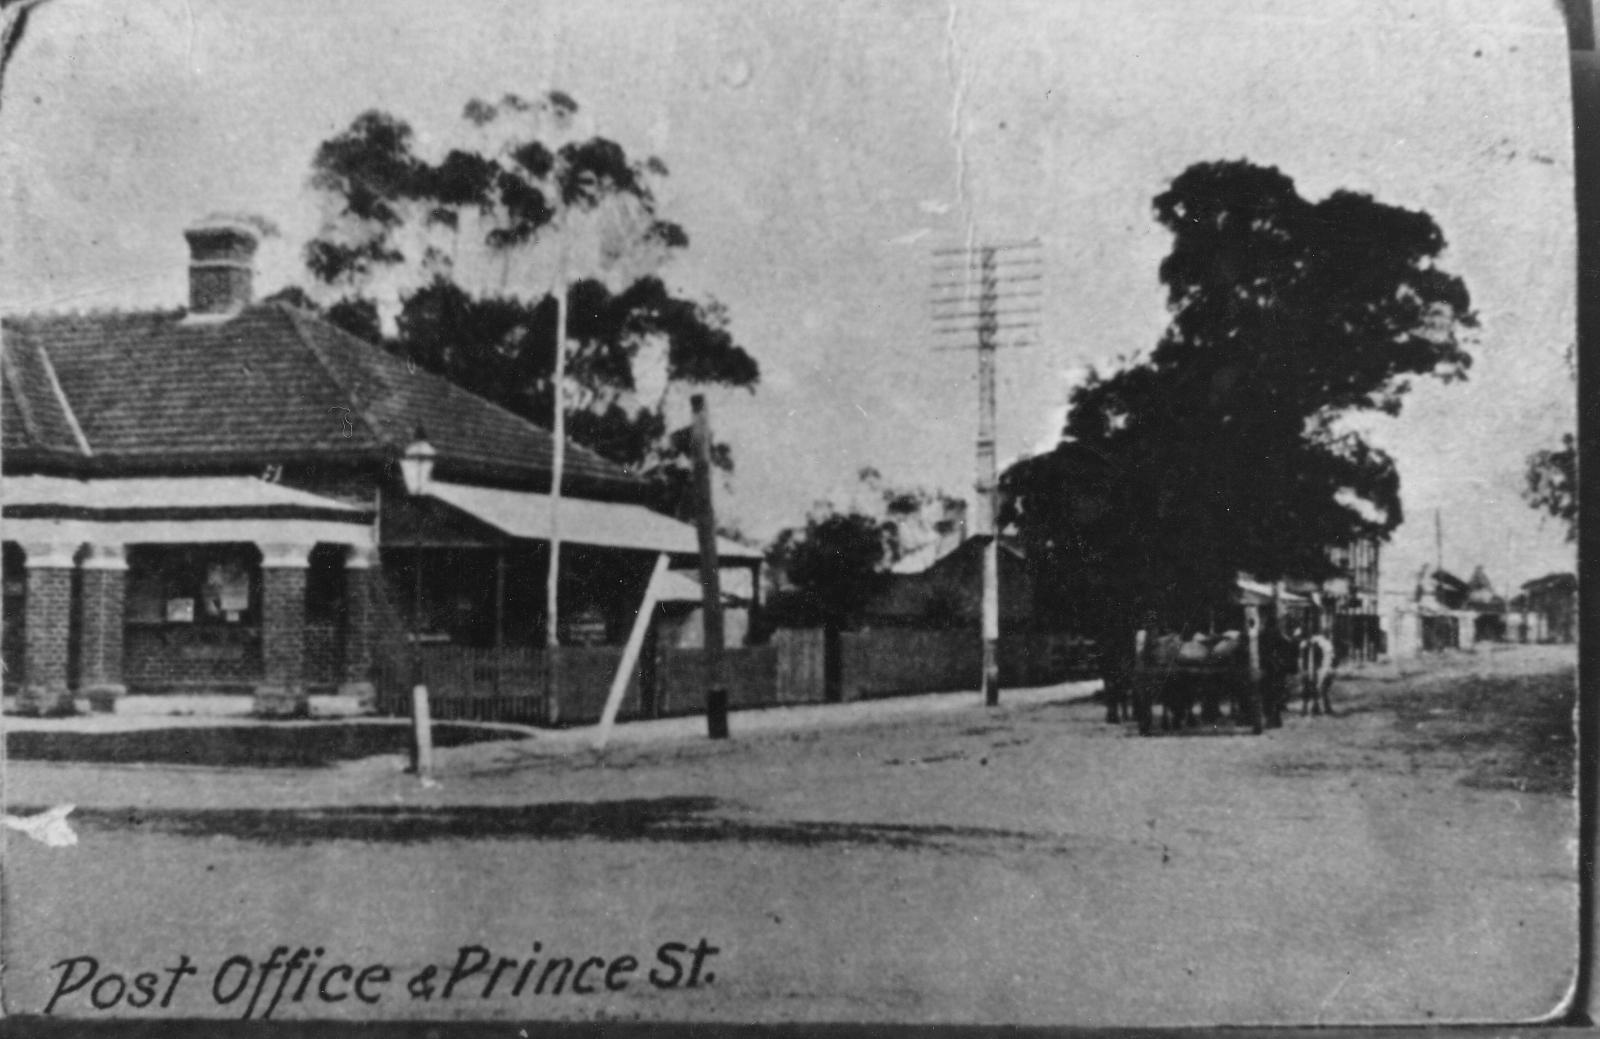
[681, 609]
[1446, 612]
[948, 591]
[1352, 600]
[1345, 606]
[1488, 609]
[1548, 608]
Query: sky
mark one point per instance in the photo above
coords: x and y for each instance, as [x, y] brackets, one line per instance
[821, 153]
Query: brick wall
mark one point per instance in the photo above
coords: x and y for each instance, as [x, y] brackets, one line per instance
[361, 622]
[324, 664]
[48, 625]
[283, 624]
[101, 601]
[218, 289]
[156, 657]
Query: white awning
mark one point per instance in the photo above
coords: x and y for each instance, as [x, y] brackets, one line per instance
[185, 531]
[602, 524]
[160, 492]
[166, 503]
[1257, 591]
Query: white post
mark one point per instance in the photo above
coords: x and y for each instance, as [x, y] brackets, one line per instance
[421, 713]
[558, 448]
[422, 718]
[630, 653]
[558, 456]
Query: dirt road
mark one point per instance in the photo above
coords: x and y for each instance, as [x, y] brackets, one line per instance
[1408, 860]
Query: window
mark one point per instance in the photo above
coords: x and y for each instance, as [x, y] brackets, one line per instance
[194, 584]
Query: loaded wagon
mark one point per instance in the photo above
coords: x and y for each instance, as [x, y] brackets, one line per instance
[1208, 671]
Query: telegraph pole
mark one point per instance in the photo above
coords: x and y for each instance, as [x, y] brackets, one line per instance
[974, 276]
[710, 583]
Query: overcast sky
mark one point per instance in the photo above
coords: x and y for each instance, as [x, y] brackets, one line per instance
[819, 153]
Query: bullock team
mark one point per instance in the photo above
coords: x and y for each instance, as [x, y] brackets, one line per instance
[1201, 674]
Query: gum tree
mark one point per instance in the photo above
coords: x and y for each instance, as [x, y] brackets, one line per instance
[454, 258]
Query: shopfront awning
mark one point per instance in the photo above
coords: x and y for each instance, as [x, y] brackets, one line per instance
[160, 494]
[190, 509]
[1258, 593]
[602, 524]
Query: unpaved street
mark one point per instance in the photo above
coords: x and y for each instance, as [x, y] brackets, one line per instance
[1410, 859]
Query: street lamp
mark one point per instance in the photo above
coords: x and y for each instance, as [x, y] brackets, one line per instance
[416, 465]
[416, 469]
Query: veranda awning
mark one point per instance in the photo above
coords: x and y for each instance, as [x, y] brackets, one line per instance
[602, 524]
[1257, 593]
[160, 494]
[174, 510]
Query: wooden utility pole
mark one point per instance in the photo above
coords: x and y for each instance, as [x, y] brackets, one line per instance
[978, 268]
[710, 582]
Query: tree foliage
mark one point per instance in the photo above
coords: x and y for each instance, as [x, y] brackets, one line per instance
[462, 252]
[1223, 450]
[839, 561]
[1553, 483]
[1552, 475]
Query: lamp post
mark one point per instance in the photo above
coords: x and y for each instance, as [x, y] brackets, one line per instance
[416, 469]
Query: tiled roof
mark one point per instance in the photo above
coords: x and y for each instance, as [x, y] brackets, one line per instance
[36, 415]
[271, 384]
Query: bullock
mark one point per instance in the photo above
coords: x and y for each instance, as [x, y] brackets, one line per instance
[1316, 675]
[1180, 674]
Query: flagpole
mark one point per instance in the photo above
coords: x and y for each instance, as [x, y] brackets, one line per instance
[558, 449]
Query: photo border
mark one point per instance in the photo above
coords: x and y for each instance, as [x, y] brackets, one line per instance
[1578, 1019]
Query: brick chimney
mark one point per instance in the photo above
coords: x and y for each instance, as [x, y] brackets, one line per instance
[221, 266]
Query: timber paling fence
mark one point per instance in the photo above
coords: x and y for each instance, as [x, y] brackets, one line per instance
[508, 684]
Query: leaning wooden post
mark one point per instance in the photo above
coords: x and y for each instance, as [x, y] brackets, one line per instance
[710, 584]
[630, 653]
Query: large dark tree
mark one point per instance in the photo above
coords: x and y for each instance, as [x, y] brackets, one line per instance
[1223, 450]
[465, 250]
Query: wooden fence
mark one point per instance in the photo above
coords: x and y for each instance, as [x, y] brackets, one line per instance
[799, 676]
[509, 684]
[902, 661]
